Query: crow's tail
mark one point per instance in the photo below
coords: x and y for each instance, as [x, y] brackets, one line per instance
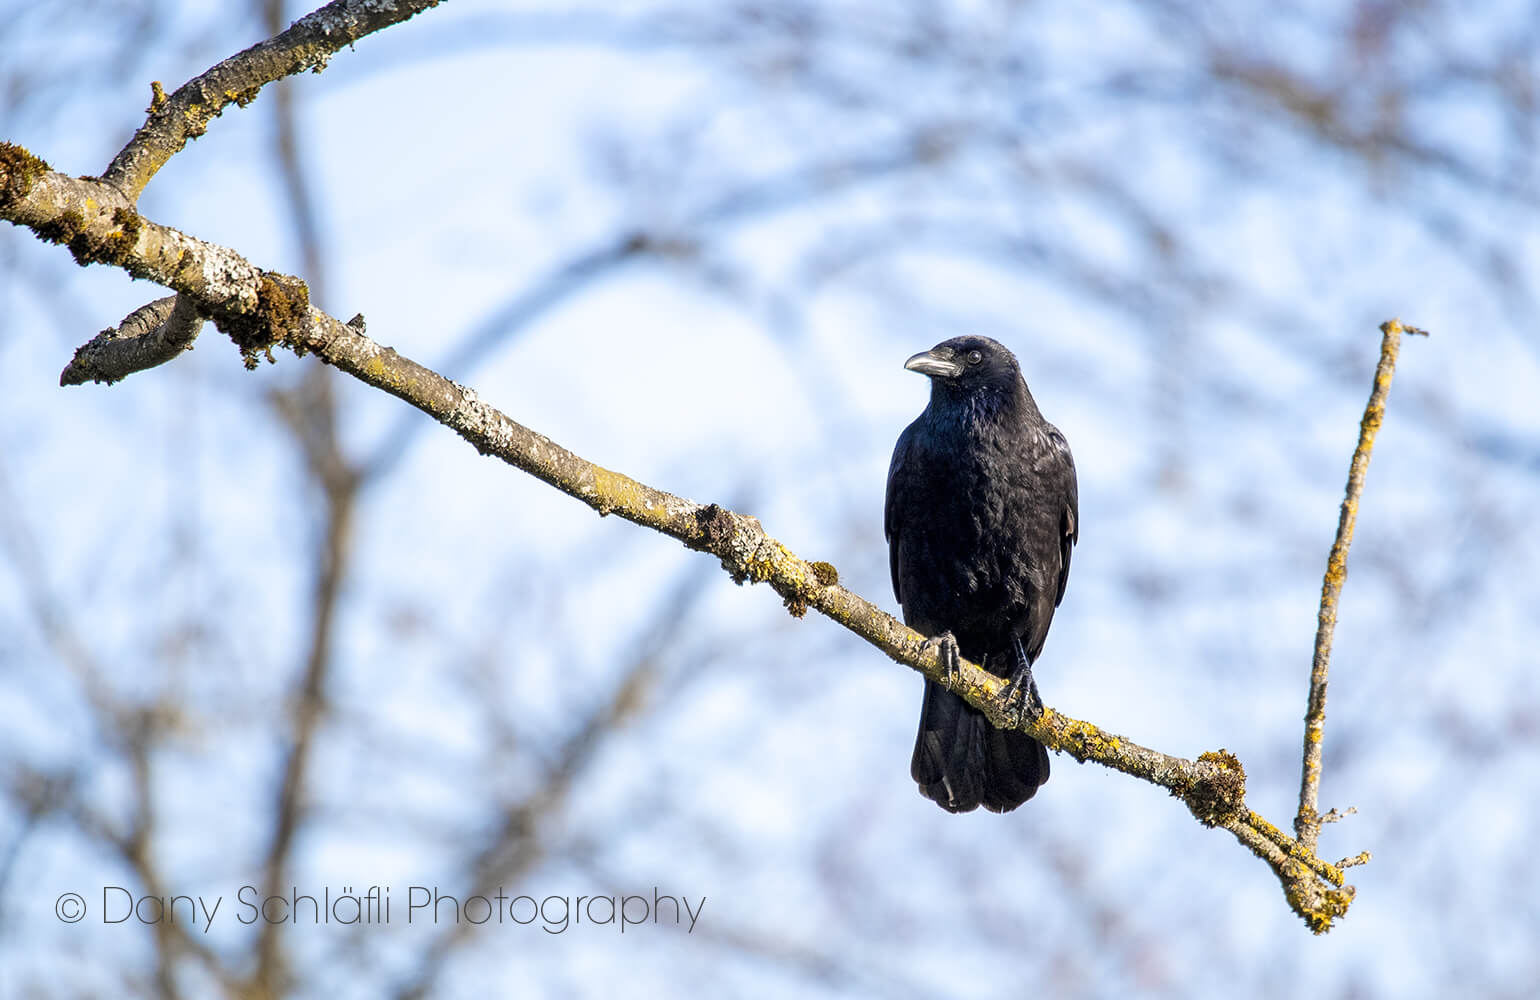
[961, 762]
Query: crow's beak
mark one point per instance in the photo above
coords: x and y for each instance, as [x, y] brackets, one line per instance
[934, 365]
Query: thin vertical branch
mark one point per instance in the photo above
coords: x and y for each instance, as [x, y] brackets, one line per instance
[1307, 825]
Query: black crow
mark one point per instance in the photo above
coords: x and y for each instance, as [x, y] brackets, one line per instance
[981, 517]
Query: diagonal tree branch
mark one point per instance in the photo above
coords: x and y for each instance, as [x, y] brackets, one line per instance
[1307, 824]
[185, 114]
[260, 310]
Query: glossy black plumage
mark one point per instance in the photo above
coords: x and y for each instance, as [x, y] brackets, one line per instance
[981, 517]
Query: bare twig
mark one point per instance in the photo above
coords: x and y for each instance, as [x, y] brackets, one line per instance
[1307, 824]
[150, 335]
[185, 114]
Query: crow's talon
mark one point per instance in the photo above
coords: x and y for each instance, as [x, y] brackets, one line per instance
[1015, 705]
[1034, 703]
[950, 656]
[1022, 701]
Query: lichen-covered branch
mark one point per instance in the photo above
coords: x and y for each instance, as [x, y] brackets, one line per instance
[99, 225]
[186, 113]
[1307, 824]
[261, 310]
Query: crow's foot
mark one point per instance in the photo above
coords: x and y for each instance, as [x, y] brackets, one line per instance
[950, 655]
[1021, 698]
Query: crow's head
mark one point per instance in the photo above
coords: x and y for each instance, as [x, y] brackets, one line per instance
[968, 367]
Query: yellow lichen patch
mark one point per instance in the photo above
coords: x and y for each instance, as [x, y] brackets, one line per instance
[243, 97]
[376, 371]
[1268, 830]
[1085, 741]
[769, 561]
[195, 120]
[1224, 759]
[615, 491]
[1317, 906]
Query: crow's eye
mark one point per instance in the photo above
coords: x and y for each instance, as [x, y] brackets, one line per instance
[974, 357]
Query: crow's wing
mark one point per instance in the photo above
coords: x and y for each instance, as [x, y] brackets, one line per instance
[900, 477]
